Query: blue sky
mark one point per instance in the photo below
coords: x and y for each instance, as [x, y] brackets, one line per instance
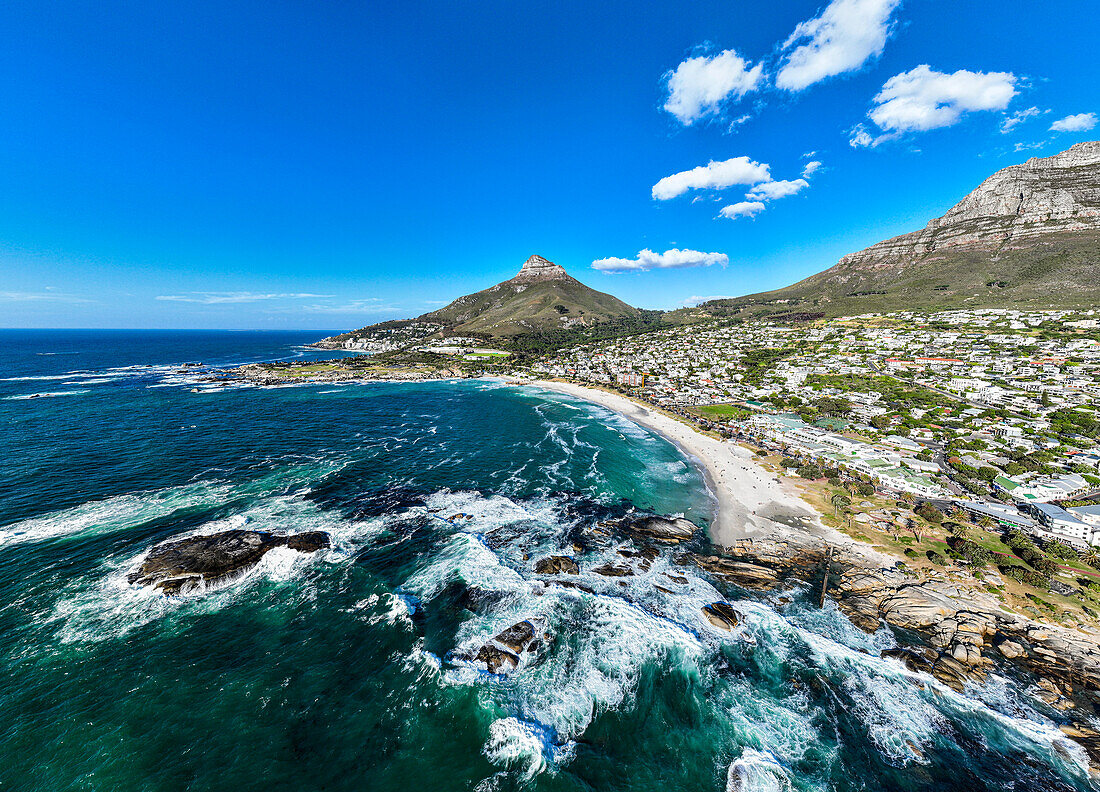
[325, 166]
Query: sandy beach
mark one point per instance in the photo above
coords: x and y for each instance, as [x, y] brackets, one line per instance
[752, 503]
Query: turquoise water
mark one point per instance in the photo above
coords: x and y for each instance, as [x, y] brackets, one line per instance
[346, 670]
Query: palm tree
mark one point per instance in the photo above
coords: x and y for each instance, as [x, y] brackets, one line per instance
[839, 500]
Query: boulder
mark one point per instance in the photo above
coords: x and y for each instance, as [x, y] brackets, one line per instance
[556, 565]
[199, 561]
[663, 529]
[722, 615]
[613, 570]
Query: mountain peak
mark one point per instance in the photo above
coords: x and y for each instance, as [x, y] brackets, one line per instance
[536, 268]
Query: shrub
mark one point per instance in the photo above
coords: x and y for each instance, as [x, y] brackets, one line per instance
[1060, 549]
[865, 489]
[809, 472]
[936, 558]
[929, 512]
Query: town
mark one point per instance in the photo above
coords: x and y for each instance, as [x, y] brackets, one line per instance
[991, 411]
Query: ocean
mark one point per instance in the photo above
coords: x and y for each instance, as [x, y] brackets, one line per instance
[349, 669]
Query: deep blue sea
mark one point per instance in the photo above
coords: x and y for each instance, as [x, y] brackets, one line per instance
[346, 669]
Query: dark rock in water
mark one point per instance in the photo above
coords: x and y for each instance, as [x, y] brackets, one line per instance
[187, 564]
[518, 636]
[497, 660]
[722, 615]
[502, 653]
[613, 570]
[944, 666]
[555, 565]
[663, 529]
[572, 585]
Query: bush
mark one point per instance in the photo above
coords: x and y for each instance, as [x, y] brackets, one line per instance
[809, 472]
[974, 553]
[865, 489]
[929, 512]
[1024, 575]
[1060, 549]
[936, 558]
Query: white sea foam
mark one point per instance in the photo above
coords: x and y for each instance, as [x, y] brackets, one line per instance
[757, 771]
[517, 746]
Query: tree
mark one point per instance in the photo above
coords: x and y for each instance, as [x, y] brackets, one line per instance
[866, 490]
[840, 500]
[929, 512]
[916, 529]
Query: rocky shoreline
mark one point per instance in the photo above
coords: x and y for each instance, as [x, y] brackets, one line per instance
[965, 633]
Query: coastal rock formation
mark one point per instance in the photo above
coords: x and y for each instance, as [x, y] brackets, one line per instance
[199, 561]
[965, 629]
[503, 653]
[664, 529]
[556, 565]
[722, 615]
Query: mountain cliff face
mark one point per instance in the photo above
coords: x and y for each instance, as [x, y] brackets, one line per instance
[541, 297]
[1029, 235]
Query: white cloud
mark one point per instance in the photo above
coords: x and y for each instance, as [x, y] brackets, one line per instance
[846, 35]
[671, 259]
[47, 296]
[371, 305]
[769, 191]
[219, 298]
[810, 168]
[742, 209]
[923, 99]
[1017, 118]
[1082, 122]
[699, 85]
[860, 138]
[714, 175]
[695, 300]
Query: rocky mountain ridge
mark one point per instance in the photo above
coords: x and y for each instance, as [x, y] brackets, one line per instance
[1028, 236]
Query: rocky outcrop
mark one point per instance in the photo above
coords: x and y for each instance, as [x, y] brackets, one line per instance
[503, 653]
[556, 565]
[664, 529]
[200, 561]
[536, 268]
[965, 628]
[1016, 204]
[966, 625]
[722, 615]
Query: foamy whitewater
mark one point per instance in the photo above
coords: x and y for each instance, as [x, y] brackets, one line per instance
[352, 668]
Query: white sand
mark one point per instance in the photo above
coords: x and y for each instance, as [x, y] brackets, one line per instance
[752, 503]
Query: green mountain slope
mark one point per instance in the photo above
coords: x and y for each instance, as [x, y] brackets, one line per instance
[541, 297]
[542, 305]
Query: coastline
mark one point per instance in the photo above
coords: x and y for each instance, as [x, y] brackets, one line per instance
[751, 502]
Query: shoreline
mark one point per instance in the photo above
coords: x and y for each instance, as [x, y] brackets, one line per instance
[751, 502]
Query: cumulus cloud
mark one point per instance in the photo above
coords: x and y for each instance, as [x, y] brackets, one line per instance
[713, 176]
[810, 168]
[1017, 118]
[742, 209]
[923, 99]
[769, 191]
[218, 298]
[1082, 122]
[671, 259]
[699, 85]
[846, 35]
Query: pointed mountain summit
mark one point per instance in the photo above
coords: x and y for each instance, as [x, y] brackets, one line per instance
[542, 297]
[537, 268]
[1027, 237]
